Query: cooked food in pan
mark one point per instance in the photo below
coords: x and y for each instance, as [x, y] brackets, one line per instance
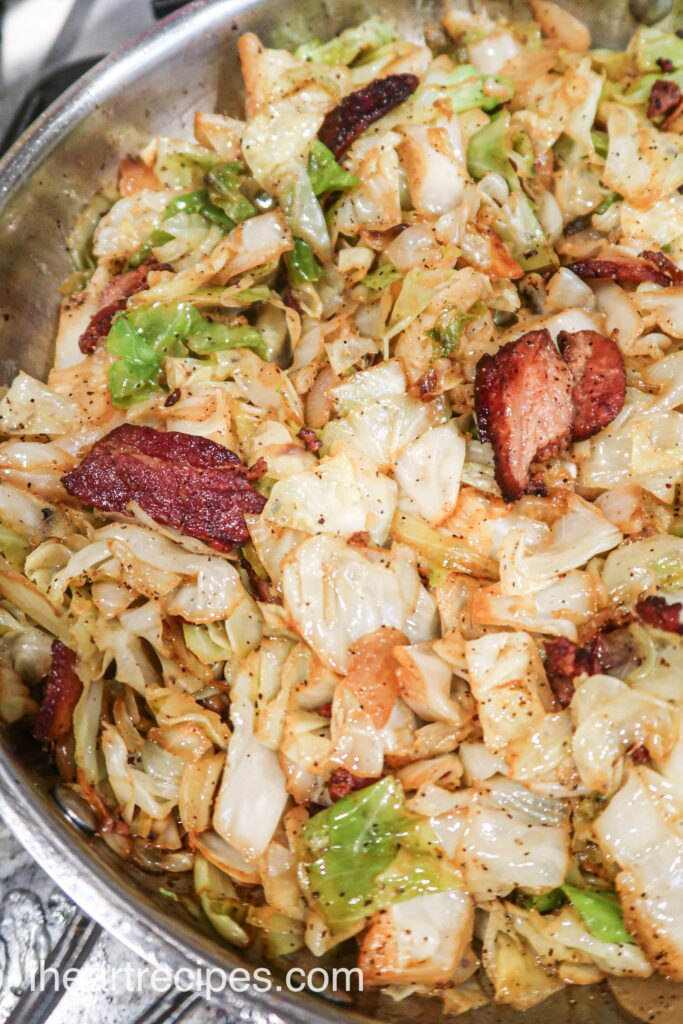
[343, 547]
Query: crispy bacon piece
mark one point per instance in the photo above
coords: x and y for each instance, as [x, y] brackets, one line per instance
[664, 97]
[522, 397]
[599, 375]
[61, 692]
[625, 271]
[610, 650]
[180, 480]
[114, 296]
[655, 611]
[359, 109]
[310, 439]
[663, 263]
[342, 782]
[565, 660]
[426, 387]
[665, 65]
[639, 755]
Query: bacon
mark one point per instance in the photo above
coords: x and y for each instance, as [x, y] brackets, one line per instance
[180, 480]
[625, 271]
[310, 439]
[114, 296]
[426, 387]
[639, 755]
[599, 376]
[342, 782]
[565, 660]
[664, 97]
[610, 651]
[663, 263]
[655, 611]
[360, 109]
[61, 693]
[523, 405]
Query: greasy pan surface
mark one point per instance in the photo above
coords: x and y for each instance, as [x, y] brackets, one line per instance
[150, 87]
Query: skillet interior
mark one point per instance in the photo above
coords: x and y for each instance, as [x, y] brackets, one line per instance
[151, 87]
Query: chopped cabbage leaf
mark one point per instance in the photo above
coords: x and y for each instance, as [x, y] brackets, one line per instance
[301, 263]
[325, 173]
[368, 852]
[487, 150]
[601, 911]
[350, 44]
[144, 338]
[650, 45]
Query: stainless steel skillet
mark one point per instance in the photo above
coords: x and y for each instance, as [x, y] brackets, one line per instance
[150, 87]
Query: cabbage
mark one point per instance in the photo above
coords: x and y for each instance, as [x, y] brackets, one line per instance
[648, 883]
[505, 672]
[220, 133]
[425, 685]
[643, 164]
[556, 610]
[512, 966]
[30, 408]
[129, 223]
[467, 87]
[516, 225]
[576, 537]
[369, 385]
[601, 913]
[662, 223]
[609, 719]
[343, 495]
[79, 241]
[225, 182]
[306, 221]
[144, 338]
[15, 698]
[335, 593]
[563, 941]
[366, 852]
[635, 568]
[419, 941]
[513, 838]
[487, 150]
[279, 136]
[325, 173]
[301, 264]
[376, 203]
[199, 202]
[428, 473]
[563, 104]
[350, 44]
[437, 549]
[384, 427]
[219, 901]
[436, 178]
[650, 45]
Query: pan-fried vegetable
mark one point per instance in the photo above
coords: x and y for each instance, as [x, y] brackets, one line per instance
[341, 551]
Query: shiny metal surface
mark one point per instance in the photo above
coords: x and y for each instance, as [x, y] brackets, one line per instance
[153, 86]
